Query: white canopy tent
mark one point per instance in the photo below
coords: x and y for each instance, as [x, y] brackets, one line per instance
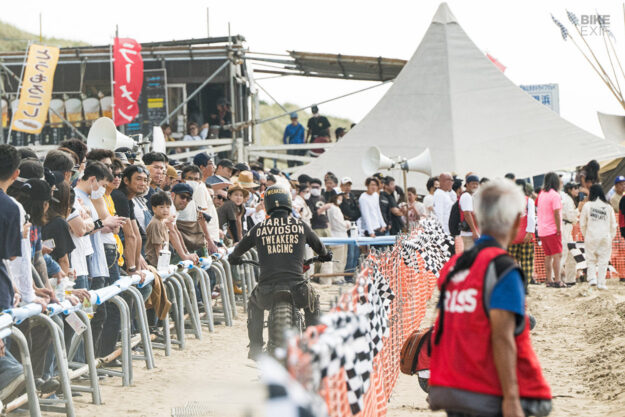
[452, 99]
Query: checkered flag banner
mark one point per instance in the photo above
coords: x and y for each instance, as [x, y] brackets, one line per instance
[578, 250]
[351, 359]
[286, 397]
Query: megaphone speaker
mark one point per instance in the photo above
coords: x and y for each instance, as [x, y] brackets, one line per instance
[104, 135]
[421, 163]
[374, 161]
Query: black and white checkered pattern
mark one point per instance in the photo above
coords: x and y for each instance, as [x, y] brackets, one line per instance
[578, 251]
[287, 398]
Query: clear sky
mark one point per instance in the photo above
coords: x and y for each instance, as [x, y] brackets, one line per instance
[521, 35]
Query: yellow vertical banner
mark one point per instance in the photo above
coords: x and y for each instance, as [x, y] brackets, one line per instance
[36, 91]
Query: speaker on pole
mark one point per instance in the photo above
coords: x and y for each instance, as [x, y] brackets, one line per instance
[421, 163]
[374, 161]
[104, 135]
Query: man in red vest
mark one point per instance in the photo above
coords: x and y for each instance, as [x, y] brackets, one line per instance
[482, 361]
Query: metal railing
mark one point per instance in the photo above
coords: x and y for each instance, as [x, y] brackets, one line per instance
[189, 315]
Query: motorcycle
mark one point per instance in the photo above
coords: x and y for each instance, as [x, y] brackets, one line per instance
[285, 317]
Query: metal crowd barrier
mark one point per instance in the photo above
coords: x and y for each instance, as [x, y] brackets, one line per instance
[180, 283]
[360, 241]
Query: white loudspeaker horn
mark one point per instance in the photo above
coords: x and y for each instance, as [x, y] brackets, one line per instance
[374, 161]
[421, 163]
[104, 135]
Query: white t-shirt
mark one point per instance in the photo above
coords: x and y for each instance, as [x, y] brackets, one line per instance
[442, 208]
[83, 248]
[466, 204]
[428, 202]
[338, 225]
[371, 218]
[20, 267]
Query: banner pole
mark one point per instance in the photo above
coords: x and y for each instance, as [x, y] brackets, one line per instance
[112, 84]
[19, 92]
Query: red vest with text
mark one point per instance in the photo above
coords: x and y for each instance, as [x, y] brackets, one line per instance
[463, 359]
[522, 230]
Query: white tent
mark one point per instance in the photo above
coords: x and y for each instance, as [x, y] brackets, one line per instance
[451, 99]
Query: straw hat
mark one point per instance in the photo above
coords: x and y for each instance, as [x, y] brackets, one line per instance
[246, 180]
[237, 187]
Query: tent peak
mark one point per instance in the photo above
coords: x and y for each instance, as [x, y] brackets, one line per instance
[444, 15]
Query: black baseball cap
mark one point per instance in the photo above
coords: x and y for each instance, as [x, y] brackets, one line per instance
[182, 188]
[201, 159]
[226, 163]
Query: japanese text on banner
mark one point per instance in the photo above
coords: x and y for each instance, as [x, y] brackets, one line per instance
[128, 74]
[36, 90]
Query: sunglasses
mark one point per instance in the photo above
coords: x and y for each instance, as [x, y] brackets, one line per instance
[219, 197]
[118, 175]
[185, 197]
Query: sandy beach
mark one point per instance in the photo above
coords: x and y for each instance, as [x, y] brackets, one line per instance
[579, 339]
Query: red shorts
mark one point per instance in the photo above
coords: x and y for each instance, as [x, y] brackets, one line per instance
[552, 244]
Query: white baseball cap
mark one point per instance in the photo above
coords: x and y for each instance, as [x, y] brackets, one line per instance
[346, 180]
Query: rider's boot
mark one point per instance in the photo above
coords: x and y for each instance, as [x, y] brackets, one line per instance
[255, 330]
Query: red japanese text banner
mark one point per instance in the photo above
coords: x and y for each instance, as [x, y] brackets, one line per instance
[36, 91]
[128, 75]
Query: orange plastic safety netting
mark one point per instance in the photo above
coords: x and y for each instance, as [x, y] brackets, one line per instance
[352, 359]
[617, 259]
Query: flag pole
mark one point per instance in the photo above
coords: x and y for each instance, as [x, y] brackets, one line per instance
[112, 85]
[19, 92]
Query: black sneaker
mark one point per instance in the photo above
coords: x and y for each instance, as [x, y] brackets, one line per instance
[254, 352]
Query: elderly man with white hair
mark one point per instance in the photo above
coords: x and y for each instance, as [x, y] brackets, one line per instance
[482, 361]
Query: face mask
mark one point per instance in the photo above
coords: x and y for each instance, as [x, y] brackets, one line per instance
[316, 192]
[339, 202]
[306, 196]
[193, 184]
[99, 193]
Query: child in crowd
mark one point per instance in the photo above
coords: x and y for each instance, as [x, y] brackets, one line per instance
[156, 232]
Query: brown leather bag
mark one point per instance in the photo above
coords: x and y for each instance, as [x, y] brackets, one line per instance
[192, 234]
[413, 356]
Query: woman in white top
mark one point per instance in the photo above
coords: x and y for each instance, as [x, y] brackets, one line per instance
[371, 221]
[415, 210]
[299, 203]
[569, 219]
[194, 133]
[428, 200]
[598, 225]
[338, 228]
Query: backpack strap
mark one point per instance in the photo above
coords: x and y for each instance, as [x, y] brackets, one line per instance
[497, 269]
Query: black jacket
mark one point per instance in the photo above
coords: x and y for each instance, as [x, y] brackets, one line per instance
[281, 244]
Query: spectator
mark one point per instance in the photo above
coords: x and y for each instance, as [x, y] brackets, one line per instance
[491, 370]
[207, 169]
[182, 195]
[319, 221]
[468, 230]
[223, 173]
[550, 228]
[428, 201]
[415, 210]
[134, 182]
[11, 372]
[619, 189]
[56, 226]
[157, 235]
[391, 213]
[331, 184]
[60, 163]
[294, 135]
[232, 211]
[191, 221]
[299, 203]
[522, 247]
[598, 226]
[338, 228]
[222, 118]
[339, 133]
[456, 187]
[156, 163]
[569, 220]
[171, 178]
[193, 133]
[318, 126]
[254, 205]
[443, 200]
[101, 155]
[220, 198]
[372, 223]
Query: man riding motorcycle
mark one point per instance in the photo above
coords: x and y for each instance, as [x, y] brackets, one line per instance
[281, 244]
